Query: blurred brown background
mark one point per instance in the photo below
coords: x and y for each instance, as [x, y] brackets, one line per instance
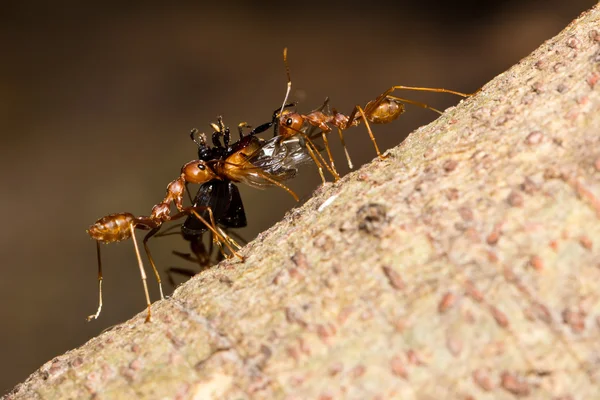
[96, 103]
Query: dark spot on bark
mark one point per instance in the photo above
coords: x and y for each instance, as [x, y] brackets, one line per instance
[515, 199]
[514, 384]
[372, 218]
[450, 165]
[394, 278]
[534, 138]
[573, 43]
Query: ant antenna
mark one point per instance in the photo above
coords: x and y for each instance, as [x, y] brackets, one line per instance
[289, 83]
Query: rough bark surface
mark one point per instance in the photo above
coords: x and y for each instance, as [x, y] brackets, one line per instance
[466, 265]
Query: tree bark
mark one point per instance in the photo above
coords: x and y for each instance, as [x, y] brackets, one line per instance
[465, 265]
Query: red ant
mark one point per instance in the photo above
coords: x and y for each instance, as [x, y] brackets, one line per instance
[384, 109]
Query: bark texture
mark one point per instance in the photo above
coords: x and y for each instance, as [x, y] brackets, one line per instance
[466, 265]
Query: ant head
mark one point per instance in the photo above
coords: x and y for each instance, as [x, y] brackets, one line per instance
[197, 171]
[290, 123]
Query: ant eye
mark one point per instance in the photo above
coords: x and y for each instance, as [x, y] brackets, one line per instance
[289, 121]
[201, 167]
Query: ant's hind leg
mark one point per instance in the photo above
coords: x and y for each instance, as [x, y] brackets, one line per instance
[416, 103]
[142, 273]
[95, 316]
[425, 89]
[387, 95]
[359, 110]
[148, 236]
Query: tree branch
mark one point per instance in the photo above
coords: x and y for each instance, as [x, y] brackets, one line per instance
[466, 264]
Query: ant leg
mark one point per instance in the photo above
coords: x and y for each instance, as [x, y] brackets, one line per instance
[309, 143]
[229, 242]
[314, 153]
[217, 241]
[237, 236]
[426, 89]
[364, 118]
[345, 148]
[95, 316]
[221, 250]
[317, 163]
[233, 242]
[281, 185]
[213, 227]
[416, 103]
[334, 172]
[373, 105]
[148, 236]
[142, 272]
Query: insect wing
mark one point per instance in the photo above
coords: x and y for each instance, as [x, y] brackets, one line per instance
[281, 157]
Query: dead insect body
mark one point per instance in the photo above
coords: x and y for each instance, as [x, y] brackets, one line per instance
[250, 160]
[222, 196]
[274, 159]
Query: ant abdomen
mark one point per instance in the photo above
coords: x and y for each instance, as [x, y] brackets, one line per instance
[386, 111]
[112, 228]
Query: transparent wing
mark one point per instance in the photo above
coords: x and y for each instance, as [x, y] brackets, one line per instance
[279, 156]
[269, 163]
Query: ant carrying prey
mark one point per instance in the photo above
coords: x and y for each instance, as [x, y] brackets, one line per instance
[384, 109]
[253, 161]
